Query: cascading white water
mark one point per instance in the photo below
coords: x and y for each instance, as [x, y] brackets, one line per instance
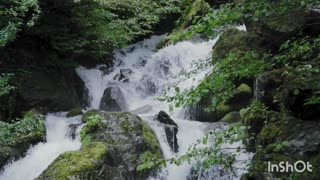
[41, 155]
[153, 74]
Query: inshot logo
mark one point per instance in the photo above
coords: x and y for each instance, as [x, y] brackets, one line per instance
[299, 167]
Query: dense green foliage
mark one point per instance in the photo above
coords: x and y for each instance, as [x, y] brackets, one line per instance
[109, 24]
[15, 15]
[5, 85]
[31, 126]
[232, 13]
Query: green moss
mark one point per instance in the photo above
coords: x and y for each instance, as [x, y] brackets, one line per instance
[125, 125]
[74, 112]
[94, 122]
[85, 139]
[86, 116]
[223, 109]
[152, 140]
[72, 164]
[232, 117]
[244, 88]
[279, 127]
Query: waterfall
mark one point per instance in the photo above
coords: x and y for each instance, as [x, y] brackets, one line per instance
[41, 155]
[140, 76]
[148, 75]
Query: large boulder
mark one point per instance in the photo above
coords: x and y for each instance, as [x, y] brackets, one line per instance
[16, 138]
[280, 29]
[292, 94]
[233, 40]
[54, 89]
[280, 137]
[302, 143]
[171, 130]
[113, 100]
[113, 145]
[266, 86]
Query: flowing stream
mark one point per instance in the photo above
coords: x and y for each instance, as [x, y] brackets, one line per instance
[147, 75]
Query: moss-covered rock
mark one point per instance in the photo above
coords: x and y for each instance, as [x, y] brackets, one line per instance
[241, 99]
[232, 117]
[16, 138]
[234, 40]
[74, 112]
[81, 163]
[194, 9]
[278, 30]
[279, 137]
[113, 145]
[86, 116]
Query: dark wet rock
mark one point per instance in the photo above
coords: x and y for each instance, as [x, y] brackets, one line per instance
[125, 74]
[72, 132]
[164, 67]
[266, 86]
[54, 89]
[171, 130]
[106, 70]
[113, 145]
[142, 61]
[116, 77]
[113, 100]
[280, 29]
[305, 139]
[302, 139]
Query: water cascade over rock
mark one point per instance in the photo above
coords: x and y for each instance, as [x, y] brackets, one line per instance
[171, 129]
[113, 100]
[115, 143]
